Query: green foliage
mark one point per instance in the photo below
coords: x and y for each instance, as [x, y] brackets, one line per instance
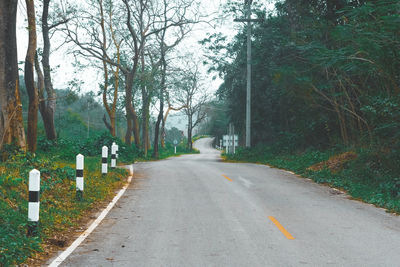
[173, 134]
[199, 136]
[15, 246]
[168, 151]
[321, 74]
[67, 149]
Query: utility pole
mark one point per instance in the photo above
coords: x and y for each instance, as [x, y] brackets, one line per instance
[248, 95]
[248, 19]
[88, 119]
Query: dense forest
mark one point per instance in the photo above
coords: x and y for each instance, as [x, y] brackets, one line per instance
[324, 73]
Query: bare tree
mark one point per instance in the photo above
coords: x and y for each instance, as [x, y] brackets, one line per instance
[194, 98]
[110, 110]
[97, 37]
[183, 26]
[145, 21]
[11, 124]
[47, 95]
[164, 120]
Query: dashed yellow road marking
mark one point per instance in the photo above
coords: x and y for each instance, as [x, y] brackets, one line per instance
[281, 228]
[226, 177]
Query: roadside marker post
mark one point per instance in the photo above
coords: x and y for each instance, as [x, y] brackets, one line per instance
[104, 159]
[116, 151]
[113, 156]
[34, 203]
[79, 176]
[175, 144]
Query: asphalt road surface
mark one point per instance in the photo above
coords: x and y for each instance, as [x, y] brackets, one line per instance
[195, 210]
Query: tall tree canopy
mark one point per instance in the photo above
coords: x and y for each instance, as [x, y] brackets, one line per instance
[324, 71]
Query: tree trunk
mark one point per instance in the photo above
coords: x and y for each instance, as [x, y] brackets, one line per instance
[128, 109]
[11, 124]
[136, 129]
[110, 110]
[40, 87]
[145, 107]
[29, 77]
[161, 112]
[48, 108]
[157, 128]
[162, 134]
[164, 121]
[148, 136]
[131, 116]
[190, 128]
[145, 123]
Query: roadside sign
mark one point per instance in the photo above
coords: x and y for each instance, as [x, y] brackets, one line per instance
[227, 140]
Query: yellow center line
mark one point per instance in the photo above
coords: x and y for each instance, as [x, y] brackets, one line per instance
[280, 227]
[226, 177]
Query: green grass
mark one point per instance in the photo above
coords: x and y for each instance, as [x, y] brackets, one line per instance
[374, 177]
[197, 137]
[167, 152]
[59, 209]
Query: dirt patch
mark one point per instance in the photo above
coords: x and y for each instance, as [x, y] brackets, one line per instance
[334, 163]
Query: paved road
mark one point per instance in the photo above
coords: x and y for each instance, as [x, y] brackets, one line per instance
[184, 212]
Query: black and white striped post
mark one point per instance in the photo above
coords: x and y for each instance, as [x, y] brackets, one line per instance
[116, 151]
[34, 203]
[104, 159]
[79, 176]
[113, 156]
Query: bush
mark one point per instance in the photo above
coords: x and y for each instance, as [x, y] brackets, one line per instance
[66, 149]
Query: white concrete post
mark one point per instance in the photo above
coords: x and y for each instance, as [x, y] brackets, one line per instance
[34, 203]
[234, 140]
[113, 156]
[104, 160]
[79, 176]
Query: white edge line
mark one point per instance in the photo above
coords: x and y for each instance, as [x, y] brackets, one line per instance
[93, 226]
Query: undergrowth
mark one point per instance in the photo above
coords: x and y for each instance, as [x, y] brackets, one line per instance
[167, 152]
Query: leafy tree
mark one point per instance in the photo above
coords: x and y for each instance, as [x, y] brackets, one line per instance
[319, 71]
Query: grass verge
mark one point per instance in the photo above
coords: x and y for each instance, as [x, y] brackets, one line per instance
[372, 176]
[59, 210]
[167, 152]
